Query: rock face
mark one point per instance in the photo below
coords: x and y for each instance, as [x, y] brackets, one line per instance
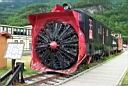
[93, 9]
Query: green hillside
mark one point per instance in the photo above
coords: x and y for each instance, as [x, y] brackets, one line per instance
[15, 13]
[20, 17]
[114, 16]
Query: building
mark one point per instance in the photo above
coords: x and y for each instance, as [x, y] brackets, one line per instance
[19, 35]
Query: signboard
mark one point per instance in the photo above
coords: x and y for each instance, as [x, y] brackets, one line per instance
[90, 29]
[14, 51]
[90, 34]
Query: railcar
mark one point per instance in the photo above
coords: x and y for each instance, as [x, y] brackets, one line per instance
[62, 39]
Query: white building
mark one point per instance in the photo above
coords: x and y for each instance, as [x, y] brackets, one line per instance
[19, 35]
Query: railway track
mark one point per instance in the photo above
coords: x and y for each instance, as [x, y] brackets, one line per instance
[53, 79]
[44, 80]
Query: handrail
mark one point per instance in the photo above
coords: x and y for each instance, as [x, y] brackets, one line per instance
[14, 75]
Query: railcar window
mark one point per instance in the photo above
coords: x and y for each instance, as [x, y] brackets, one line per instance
[15, 31]
[5, 29]
[22, 32]
[29, 32]
[1, 29]
[80, 17]
[18, 31]
[100, 30]
[107, 32]
[10, 30]
[16, 41]
[21, 41]
[30, 45]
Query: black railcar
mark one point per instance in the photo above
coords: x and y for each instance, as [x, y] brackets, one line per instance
[101, 41]
[63, 38]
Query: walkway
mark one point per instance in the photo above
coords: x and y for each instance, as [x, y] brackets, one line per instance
[108, 74]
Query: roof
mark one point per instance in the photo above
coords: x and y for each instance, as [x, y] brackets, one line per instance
[7, 35]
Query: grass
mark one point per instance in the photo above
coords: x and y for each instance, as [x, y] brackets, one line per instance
[26, 60]
[2, 71]
[85, 66]
[28, 71]
[125, 80]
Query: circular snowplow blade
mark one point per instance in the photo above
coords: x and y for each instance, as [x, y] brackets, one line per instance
[57, 45]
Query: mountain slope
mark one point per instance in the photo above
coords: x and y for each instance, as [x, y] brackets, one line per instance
[114, 16]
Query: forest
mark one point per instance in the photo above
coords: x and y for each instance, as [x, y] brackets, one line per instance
[114, 14]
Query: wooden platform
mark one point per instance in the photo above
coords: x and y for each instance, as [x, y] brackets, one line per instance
[107, 74]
